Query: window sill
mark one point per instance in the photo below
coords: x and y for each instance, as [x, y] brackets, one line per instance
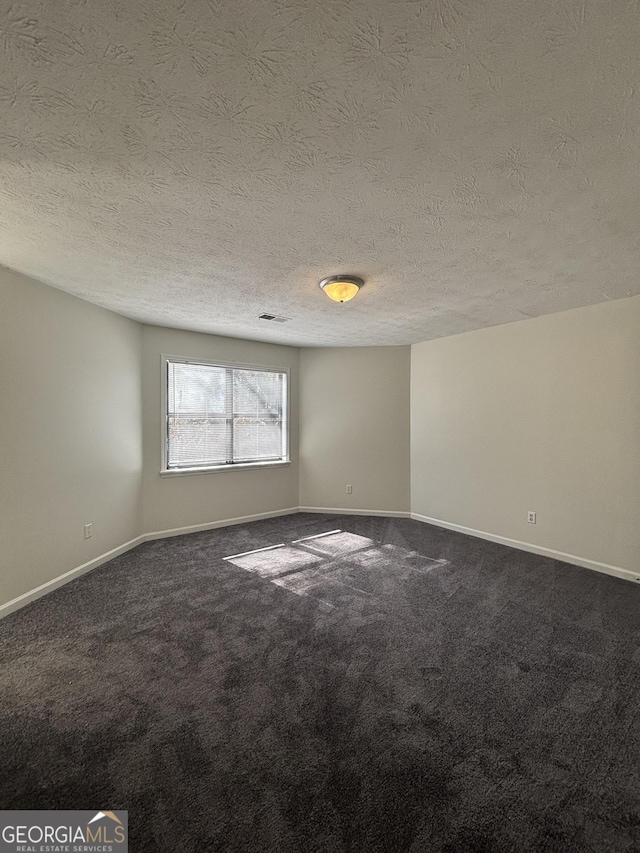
[214, 469]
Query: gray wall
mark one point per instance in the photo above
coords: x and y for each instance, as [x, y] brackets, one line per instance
[539, 415]
[70, 437]
[354, 427]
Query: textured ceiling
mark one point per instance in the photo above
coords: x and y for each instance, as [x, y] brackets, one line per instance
[193, 163]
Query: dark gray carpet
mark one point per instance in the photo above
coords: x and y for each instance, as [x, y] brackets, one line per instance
[394, 687]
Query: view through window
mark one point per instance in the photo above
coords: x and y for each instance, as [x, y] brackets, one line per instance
[219, 415]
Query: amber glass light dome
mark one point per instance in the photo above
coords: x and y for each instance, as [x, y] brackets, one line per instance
[341, 288]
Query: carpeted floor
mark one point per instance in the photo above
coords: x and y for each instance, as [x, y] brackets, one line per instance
[388, 687]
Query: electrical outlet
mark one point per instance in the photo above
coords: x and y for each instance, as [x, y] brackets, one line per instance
[88, 531]
[349, 490]
[531, 517]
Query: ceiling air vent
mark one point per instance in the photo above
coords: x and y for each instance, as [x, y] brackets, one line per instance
[273, 318]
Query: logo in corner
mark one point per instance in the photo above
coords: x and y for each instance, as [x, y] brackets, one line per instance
[64, 831]
[110, 815]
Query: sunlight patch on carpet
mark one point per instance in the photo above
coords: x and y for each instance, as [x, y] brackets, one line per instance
[276, 561]
[337, 568]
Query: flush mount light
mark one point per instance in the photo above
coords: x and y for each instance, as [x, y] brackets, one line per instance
[341, 288]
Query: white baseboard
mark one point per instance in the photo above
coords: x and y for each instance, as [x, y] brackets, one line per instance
[212, 525]
[60, 580]
[332, 510]
[54, 583]
[605, 568]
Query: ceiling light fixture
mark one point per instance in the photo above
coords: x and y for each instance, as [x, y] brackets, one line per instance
[341, 288]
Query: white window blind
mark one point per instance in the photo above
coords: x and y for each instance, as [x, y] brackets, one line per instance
[219, 415]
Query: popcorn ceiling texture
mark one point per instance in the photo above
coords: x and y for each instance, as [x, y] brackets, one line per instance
[196, 163]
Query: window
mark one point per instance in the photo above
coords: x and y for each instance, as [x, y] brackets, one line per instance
[221, 415]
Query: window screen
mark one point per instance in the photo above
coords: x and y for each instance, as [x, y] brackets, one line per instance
[219, 415]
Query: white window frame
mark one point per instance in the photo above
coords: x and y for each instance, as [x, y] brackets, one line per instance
[165, 471]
